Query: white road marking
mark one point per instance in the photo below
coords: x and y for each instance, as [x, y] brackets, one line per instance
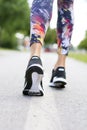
[43, 114]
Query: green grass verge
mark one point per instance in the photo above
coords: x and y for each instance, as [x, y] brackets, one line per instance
[79, 56]
[5, 49]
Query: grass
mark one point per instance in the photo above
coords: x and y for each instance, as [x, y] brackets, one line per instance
[5, 49]
[8, 49]
[79, 56]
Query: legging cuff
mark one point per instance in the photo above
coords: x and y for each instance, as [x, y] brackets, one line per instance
[63, 51]
[36, 39]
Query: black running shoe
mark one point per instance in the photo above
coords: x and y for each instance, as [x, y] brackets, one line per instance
[51, 81]
[58, 78]
[33, 78]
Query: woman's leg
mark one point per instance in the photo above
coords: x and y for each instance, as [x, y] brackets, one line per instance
[64, 30]
[41, 13]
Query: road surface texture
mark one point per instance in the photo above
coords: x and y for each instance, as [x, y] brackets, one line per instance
[64, 109]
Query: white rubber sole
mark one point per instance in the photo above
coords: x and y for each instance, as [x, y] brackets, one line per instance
[36, 79]
[52, 84]
[59, 80]
[56, 85]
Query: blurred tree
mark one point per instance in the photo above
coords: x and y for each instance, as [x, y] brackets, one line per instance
[83, 43]
[14, 17]
[50, 36]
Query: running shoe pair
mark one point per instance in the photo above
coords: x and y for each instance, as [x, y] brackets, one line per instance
[33, 78]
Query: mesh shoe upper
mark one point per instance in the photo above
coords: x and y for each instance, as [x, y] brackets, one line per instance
[60, 72]
[58, 76]
[53, 74]
[34, 60]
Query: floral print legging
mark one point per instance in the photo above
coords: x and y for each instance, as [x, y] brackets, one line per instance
[41, 13]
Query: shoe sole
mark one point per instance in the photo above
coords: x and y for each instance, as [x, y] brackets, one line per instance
[56, 85]
[34, 75]
[60, 81]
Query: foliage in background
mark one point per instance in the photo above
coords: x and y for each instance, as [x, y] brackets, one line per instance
[83, 43]
[14, 17]
[7, 40]
[50, 36]
[79, 56]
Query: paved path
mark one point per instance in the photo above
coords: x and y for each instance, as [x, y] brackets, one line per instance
[58, 110]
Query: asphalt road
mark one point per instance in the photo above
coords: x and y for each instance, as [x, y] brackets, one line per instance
[64, 109]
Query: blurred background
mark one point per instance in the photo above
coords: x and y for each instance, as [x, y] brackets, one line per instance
[15, 25]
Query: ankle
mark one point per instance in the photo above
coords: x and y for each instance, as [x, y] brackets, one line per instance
[60, 61]
[36, 49]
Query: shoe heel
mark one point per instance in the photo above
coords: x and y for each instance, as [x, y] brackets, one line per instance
[36, 79]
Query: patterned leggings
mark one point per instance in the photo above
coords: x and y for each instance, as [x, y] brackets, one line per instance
[41, 13]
